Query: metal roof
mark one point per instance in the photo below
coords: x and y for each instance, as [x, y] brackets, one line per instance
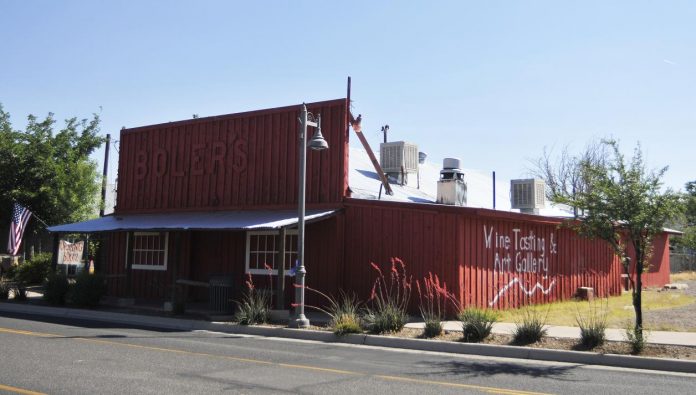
[210, 220]
[422, 188]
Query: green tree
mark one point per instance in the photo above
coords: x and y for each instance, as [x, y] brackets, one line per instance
[49, 171]
[688, 239]
[691, 203]
[625, 206]
[688, 223]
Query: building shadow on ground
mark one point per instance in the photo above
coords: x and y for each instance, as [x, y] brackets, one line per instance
[489, 369]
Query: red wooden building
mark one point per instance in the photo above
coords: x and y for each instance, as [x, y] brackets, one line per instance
[207, 199]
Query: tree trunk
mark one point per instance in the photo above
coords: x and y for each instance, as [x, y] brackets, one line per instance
[637, 293]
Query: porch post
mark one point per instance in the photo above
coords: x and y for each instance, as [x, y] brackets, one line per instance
[175, 266]
[54, 258]
[280, 291]
[129, 265]
[86, 253]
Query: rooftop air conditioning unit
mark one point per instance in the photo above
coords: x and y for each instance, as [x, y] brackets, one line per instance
[398, 156]
[528, 195]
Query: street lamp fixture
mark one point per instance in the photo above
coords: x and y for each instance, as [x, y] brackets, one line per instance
[317, 143]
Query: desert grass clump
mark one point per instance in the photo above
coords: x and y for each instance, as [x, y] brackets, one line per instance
[389, 299]
[530, 328]
[637, 339]
[343, 310]
[477, 324]
[593, 324]
[254, 307]
[434, 300]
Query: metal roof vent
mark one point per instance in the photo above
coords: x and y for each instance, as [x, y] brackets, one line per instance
[528, 195]
[398, 158]
[451, 188]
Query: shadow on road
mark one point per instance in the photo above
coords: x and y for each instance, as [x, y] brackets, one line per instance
[488, 369]
[82, 323]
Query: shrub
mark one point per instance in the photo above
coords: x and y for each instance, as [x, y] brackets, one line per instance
[254, 308]
[530, 328]
[9, 275]
[20, 291]
[433, 300]
[593, 325]
[389, 299]
[178, 307]
[4, 290]
[636, 339]
[346, 324]
[34, 271]
[87, 290]
[385, 318]
[477, 324]
[432, 329]
[56, 289]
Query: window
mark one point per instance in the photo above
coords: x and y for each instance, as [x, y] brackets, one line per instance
[149, 251]
[262, 249]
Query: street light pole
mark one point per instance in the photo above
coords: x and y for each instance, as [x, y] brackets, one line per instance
[317, 143]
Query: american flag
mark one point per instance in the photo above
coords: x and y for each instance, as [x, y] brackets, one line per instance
[20, 217]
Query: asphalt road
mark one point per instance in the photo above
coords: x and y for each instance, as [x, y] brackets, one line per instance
[39, 355]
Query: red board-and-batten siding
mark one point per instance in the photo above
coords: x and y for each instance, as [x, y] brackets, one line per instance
[249, 161]
[237, 161]
[240, 161]
[452, 243]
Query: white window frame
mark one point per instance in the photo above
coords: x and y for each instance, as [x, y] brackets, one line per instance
[274, 272]
[129, 252]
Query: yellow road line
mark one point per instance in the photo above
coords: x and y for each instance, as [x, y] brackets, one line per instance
[27, 333]
[19, 390]
[307, 367]
[493, 390]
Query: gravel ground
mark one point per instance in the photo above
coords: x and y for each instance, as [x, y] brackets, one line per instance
[610, 347]
[681, 319]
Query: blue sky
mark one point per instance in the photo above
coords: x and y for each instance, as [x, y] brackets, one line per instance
[490, 82]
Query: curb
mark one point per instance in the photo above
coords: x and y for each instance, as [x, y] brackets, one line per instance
[489, 350]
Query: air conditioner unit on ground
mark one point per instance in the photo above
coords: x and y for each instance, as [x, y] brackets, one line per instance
[528, 195]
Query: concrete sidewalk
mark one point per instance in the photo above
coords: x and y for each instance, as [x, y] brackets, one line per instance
[572, 332]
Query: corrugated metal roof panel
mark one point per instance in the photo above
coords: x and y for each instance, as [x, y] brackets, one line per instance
[216, 220]
[365, 184]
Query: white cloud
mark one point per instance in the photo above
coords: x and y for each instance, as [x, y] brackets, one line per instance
[669, 62]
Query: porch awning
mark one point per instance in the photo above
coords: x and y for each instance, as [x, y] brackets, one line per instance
[210, 220]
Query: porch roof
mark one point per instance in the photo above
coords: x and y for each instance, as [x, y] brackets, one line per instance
[209, 220]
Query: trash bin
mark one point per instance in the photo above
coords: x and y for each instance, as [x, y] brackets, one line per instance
[220, 294]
